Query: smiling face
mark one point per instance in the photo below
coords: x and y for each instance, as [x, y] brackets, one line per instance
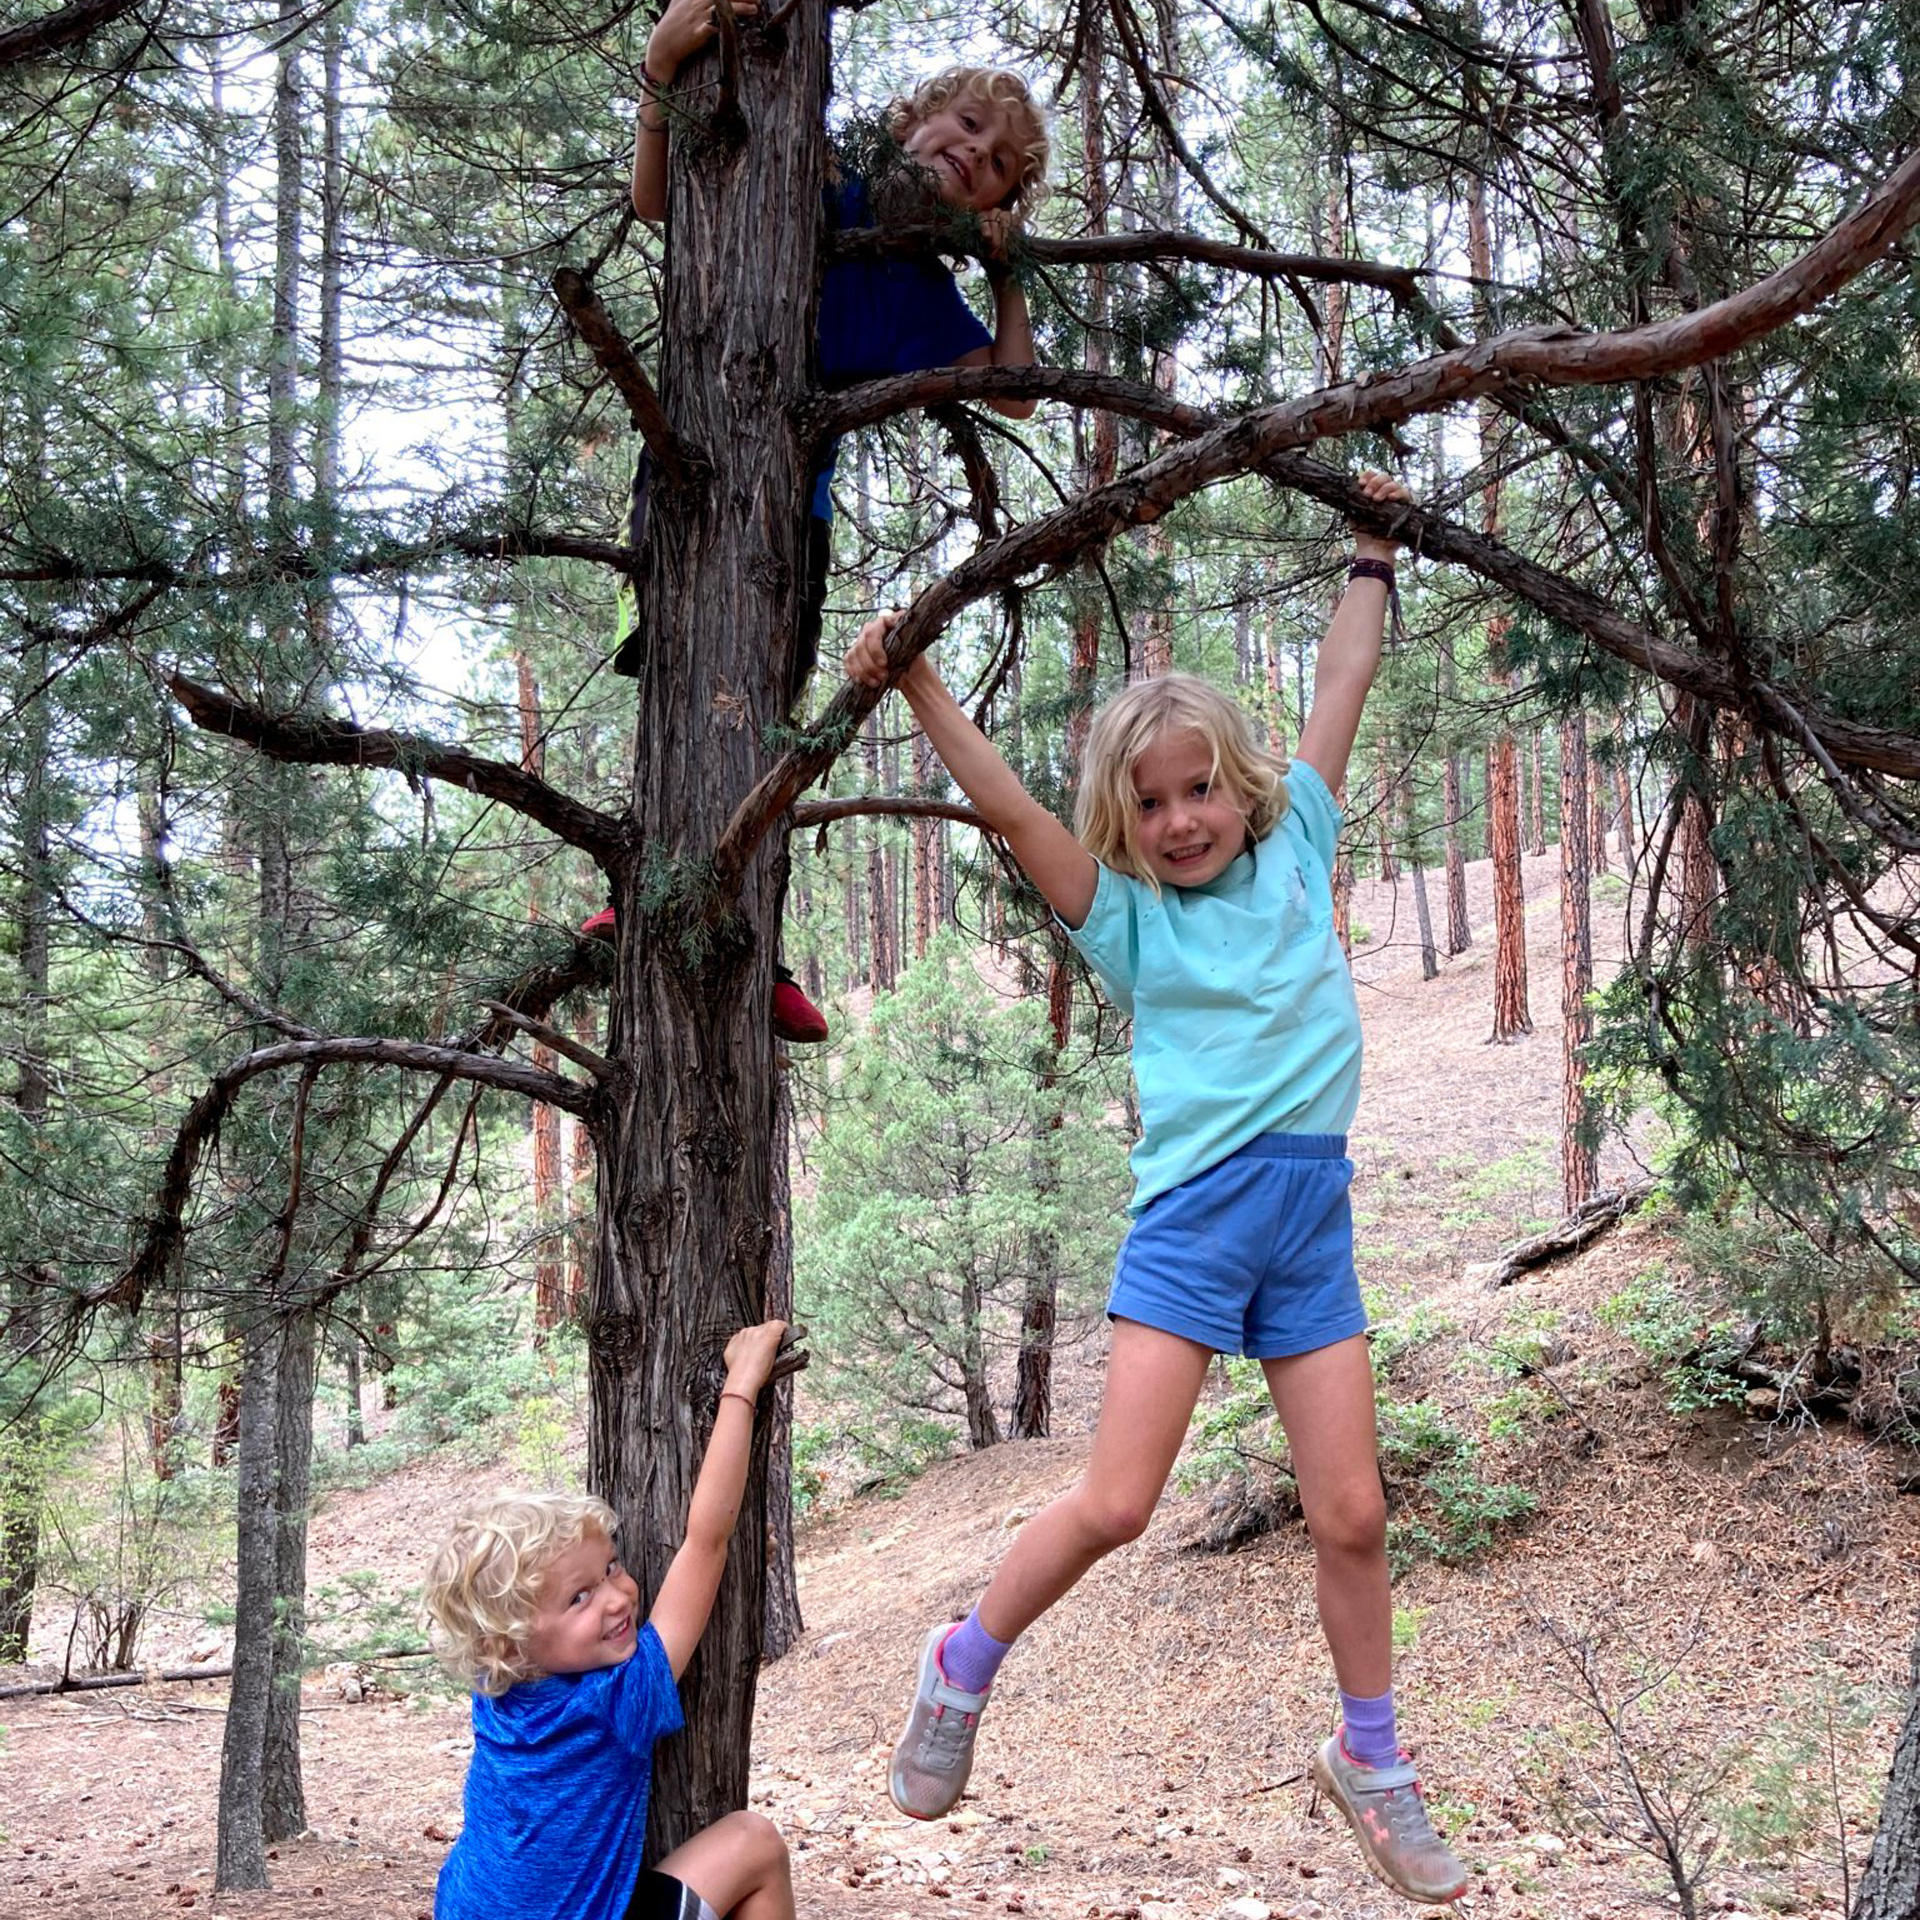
[1190, 825]
[968, 147]
[588, 1612]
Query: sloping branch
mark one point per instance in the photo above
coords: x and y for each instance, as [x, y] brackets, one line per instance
[471, 542]
[1146, 245]
[38, 38]
[899, 806]
[1555, 356]
[594, 324]
[165, 1227]
[322, 741]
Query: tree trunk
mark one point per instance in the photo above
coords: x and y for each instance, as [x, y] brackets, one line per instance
[1459, 928]
[22, 1465]
[356, 1417]
[686, 1125]
[1890, 1887]
[1578, 1174]
[784, 1624]
[283, 1798]
[983, 1428]
[1511, 1017]
[241, 1857]
[1040, 1305]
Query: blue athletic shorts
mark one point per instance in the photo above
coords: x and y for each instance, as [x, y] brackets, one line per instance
[1254, 1256]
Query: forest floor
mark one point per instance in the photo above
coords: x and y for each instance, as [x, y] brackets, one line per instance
[1145, 1756]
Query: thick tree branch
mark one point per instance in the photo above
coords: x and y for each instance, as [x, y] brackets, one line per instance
[562, 1043]
[165, 1228]
[322, 741]
[821, 813]
[306, 563]
[1145, 245]
[38, 38]
[1535, 356]
[677, 462]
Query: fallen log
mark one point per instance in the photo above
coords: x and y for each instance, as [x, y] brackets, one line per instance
[1584, 1225]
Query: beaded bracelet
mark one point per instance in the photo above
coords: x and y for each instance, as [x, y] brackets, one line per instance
[1381, 570]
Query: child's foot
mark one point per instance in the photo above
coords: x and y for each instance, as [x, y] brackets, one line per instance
[935, 1751]
[1384, 1808]
[796, 1020]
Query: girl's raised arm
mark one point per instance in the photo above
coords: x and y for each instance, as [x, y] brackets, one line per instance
[1064, 871]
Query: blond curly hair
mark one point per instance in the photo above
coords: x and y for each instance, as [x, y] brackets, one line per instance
[1106, 815]
[1006, 90]
[483, 1587]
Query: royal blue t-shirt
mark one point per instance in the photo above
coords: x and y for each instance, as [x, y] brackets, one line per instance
[883, 316]
[557, 1793]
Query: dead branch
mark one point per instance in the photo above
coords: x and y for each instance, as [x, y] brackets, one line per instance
[677, 462]
[820, 813]
[1584, 1225]
[53, 31]
[323, 741]
[1146, 245]
[165, 1228]
[595, 1063]
[1556, 356]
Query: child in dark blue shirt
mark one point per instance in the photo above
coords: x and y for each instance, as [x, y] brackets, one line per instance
[571, 1689]
[975, 142]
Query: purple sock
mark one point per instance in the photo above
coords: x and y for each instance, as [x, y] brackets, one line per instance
[971, 1656]
[1367, 1729]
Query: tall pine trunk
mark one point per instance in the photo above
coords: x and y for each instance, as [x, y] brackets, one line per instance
[686, 1123]
[1577, 1169]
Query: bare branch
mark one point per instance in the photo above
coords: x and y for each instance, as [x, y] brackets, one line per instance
[38, 38]
[165, 1228]
[1556, 356]
[323, 741]
[596, 1064]
[820, 813]
[677, 462]
[1145, 245]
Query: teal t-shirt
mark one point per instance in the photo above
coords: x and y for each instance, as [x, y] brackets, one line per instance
[1244, 1020]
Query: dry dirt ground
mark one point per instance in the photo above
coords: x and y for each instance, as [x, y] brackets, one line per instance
[1145, 1755]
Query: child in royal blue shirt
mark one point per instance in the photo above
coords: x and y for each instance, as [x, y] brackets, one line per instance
[571, 1689]
[972, 139]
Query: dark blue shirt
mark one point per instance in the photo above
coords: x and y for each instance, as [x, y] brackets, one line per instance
[882, 316]
[557, 1793]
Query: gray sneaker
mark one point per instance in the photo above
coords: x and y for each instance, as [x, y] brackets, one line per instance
[1389, 1819]
[934, 1754]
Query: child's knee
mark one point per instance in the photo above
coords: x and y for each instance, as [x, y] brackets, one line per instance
[756, 1839]
[1114, 1517]
[1353, 1522]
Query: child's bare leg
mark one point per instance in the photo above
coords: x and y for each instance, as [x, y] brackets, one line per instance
[1325, 1403]
[1153, 1380]
[738, 1866]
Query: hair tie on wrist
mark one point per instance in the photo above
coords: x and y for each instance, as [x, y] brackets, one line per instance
[733, 1393]
[1381, 570]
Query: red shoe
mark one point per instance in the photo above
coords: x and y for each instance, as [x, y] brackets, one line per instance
[600, 926]
[796, 1019]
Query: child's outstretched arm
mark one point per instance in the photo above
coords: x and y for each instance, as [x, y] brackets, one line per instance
[685, 1599]
[1350, 654]
[1064, 871]
[1012, 325]
[685, 27]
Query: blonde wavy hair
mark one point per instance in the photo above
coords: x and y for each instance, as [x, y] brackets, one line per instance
[1006, 90]
[484, 1584]
[1106, 816]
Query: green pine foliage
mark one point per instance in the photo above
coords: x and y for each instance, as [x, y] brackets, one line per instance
[913, 1255]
